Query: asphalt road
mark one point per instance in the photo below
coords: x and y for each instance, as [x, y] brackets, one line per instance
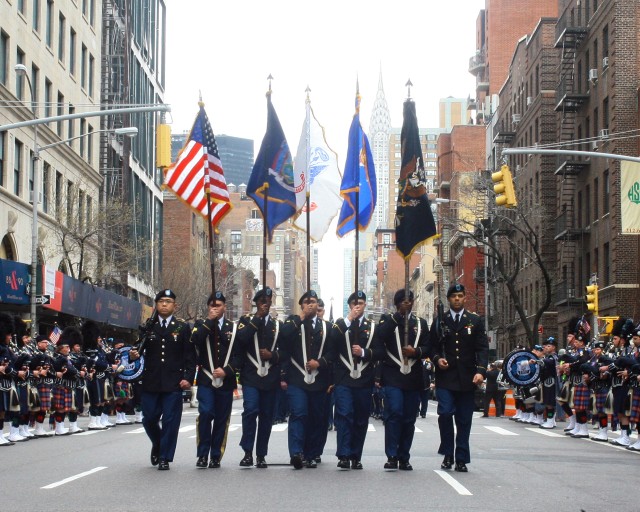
[514, 467]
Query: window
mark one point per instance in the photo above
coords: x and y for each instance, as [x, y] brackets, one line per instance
[60, 112]
[605, 113]
[432, 155]
[35, 81]
[92, 64]
[69, 202]
[71, 130]
[606, 256]
[46, 186]
[89, 203]
[22, 8]
[61, 30]
[32, 174]
[605, 192]
[90, 144]
[36, 15]
[17, 166]
[58, 211]
[47, 97]
[605, 41]
[92, 12]
[48, 29]
[83, 129]
[587, 205]
[2, 159]
[72, 52]
[596, 198]
[255, 214]
[83, 67]
[4, 57]
[81, 211]
[19, 77]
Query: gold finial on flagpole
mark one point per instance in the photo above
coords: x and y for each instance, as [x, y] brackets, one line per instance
[200, 102]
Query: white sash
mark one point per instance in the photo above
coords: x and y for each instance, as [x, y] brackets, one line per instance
[356, 369]
[263, 366]
[405, 369]
[216, 382]
[310, 377]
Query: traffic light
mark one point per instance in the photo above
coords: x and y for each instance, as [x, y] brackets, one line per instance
[505, 192]
[592, 298]
[163, 145]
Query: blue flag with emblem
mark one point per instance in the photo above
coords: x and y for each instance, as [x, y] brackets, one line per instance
[358, 188]
[271, 182]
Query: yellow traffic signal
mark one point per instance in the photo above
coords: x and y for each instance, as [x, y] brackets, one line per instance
[505, 192]
[592, 298]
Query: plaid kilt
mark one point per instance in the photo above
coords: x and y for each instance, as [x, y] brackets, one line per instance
[581, 394]
[44, 391]
[122, 390]
[634, 417]
[600, 398]
[62, 399]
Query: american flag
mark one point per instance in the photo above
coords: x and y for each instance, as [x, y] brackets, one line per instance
[54, 336]
[584, 325]
[199, 170]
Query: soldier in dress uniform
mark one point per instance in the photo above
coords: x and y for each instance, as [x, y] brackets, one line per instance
[169, 368]
[305, 339]
[354, 349]
[459, 349]
[213, 340]
[258, 350]
[402, 378]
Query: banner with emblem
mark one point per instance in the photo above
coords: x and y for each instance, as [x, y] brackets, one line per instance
[630, 197]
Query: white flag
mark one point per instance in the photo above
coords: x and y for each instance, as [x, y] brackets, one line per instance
[316, 167]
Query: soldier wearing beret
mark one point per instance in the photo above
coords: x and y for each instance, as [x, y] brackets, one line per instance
[354, 348]
[213, 340]
[305, 339]
[169, 367]
[459, 348]
[402, 378]
[258, 349]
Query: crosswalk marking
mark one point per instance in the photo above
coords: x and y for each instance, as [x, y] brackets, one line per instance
[135, 431]
[501, 431]
[281, 427]
[459, 488]
[371, 428]
[187, 428]
[72, 478]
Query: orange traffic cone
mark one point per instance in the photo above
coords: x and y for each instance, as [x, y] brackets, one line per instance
[492, 409]
[509, 404]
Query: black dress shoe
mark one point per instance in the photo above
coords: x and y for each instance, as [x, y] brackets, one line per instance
[343, 463]
[201, 462]
[296, 461]
[405, 466]
[318, 460]
[214, 463]
[155, 455]
[356, 464]
[391, 464]
[311, 464]
[461, 467]
[447, 462]
[163, 465]
[261, 463]
[247, 460]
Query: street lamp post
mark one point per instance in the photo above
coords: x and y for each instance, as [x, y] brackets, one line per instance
[21, 70]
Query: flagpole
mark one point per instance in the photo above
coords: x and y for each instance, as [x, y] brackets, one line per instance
[265, 231]
[357, 219]
[307, 185]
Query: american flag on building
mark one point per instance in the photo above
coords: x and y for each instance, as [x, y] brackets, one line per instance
[198, 171]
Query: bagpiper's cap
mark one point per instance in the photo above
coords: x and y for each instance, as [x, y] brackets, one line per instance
[399, 296]
[215, 297]
[455, 288]
[264, 292]
[355, 296]
[636, 331]
[580, 336]
[311, 294]
[572, 327]
[537, 347]
[599, 344]
[6, 326]
[41, 337]
[550, 341]
[165, 294]
[70, 336]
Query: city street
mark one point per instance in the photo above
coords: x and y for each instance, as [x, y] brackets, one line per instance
[514, 467]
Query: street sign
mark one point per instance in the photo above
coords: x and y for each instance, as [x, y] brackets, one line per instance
[43, 299]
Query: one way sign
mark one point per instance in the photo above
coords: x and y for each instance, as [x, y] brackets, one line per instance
[43, 299]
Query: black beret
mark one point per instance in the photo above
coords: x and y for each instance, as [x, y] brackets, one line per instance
[550, 341]
[264, 292]
[599, 344]
[164, 294]
[359, 295]
[399, 296]
[311, 294]
[455, 288]
[215, 297]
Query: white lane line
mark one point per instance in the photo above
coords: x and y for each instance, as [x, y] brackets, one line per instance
[236, 412]
[544, 432]
[187, 428]
[371, 428]
[72, 478]
[281, 427]
[90, 432]
[459, 488]
[419, 430]
[136, 431]
[234, 427]
[501, 431]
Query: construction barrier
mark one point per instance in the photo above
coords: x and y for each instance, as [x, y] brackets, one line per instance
[509, 404]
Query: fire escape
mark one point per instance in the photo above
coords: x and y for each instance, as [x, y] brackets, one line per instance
[569, 99]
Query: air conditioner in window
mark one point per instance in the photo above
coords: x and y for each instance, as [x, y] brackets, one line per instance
[604, 133]
[593, 75]
[529, 100]
[605, 62]
[594, 145]
[515, 118]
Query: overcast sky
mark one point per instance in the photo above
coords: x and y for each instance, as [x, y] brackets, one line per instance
[226, 51]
